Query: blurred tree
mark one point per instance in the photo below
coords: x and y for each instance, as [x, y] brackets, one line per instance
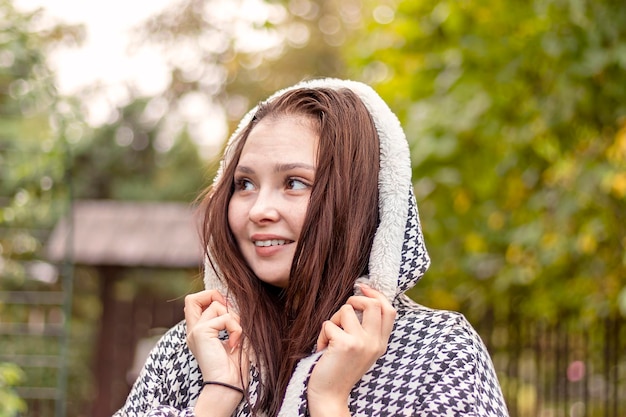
[516, 112]
[220, 63]
[33, 126]
[37, 129]
[10, 403]
[221, 60]
[130, 159]
[233, 54]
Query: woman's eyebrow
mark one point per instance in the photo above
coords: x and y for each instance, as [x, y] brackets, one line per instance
[294, 165]
[277, 168]
[244, 169]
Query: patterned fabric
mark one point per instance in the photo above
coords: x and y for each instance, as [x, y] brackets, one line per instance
[435, 364]
[415, 260]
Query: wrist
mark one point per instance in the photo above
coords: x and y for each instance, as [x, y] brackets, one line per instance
[223, 384]
[218, 399]
[326, 406]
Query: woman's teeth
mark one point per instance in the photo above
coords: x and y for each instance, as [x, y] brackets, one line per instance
[273, 242]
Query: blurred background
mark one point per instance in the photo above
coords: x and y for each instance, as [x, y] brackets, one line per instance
[112, 115]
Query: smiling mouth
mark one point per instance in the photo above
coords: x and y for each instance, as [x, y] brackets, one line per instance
[272, 242]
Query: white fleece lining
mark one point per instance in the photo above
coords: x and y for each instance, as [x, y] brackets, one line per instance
[394, 183]
[297, 385]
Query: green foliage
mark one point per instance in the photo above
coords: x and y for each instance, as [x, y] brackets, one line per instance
[125, 160]
[238, 58]
[32, 151]
[516, 114]
[36, 130]
[10, 403]
[517, 119]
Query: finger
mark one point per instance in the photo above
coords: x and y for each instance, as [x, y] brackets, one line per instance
[196, 303]
[221, 322]
[371, 313]
[387, 310]
[347, 319]
[378, 315]
[215, 309]
[230, 323]
[372, 293]
[386, 306]
[330, 331]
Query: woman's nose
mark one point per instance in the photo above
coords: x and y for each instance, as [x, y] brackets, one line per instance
[264, 208]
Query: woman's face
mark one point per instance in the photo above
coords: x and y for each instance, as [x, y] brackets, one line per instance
[273, 181]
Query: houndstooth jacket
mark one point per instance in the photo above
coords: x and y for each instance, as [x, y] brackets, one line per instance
[435, 364]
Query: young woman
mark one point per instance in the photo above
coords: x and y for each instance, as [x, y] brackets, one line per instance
[312, 237]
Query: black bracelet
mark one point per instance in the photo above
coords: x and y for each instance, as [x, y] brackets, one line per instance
[223, 384]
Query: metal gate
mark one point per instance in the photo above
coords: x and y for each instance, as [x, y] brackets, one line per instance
[35, 296]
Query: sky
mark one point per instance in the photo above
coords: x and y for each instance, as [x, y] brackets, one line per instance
[106, 60]
[104, 57]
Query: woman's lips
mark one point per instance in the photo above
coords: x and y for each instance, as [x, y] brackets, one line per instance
[266, 246]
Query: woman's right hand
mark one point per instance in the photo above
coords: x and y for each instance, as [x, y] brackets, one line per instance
[206, 314]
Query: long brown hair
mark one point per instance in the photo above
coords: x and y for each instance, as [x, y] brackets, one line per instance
[282, 325]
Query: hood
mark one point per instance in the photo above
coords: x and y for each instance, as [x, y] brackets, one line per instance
[398, 258]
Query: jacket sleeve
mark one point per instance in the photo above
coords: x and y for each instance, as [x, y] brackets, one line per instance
[466, 383]
[165, 386]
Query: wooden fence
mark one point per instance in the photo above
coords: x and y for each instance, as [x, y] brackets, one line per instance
[563, 369]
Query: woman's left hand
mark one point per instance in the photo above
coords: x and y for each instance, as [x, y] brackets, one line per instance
[352, 347]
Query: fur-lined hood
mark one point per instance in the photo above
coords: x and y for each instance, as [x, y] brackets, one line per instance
[398, 258]
[435, 363]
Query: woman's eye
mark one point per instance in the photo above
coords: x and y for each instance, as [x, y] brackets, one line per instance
[295, 184]
[244, 185]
